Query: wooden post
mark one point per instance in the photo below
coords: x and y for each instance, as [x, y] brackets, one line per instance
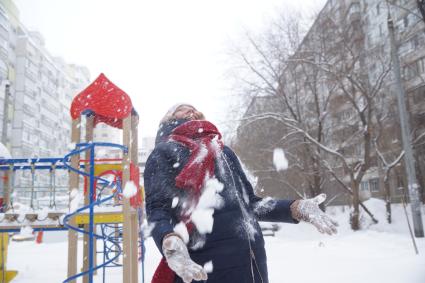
[127, 210]
[134, 216]
[89, 138]
[73, 184]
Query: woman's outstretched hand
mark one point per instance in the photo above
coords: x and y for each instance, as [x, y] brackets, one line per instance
[178, 259]
[308, 210]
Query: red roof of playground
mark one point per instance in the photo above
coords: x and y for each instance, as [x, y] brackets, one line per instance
[105, 100]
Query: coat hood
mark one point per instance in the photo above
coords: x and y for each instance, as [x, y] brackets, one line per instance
[166, 128]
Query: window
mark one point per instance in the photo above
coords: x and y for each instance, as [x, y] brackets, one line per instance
[370, 40]
[374, 185]
[381, 29]
[415, 42]
[364, 186]
[373, 161]
[345, 115]
[418, 96]
[399, 180]
[421, 65]
[358, 149]
[405, 48]
[410, 71]
[26, 135]
[406, 21]
[419, 119]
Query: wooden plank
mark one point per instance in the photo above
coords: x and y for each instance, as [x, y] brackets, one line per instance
[127, 244]
[37, 226]
[134, 139]
[134, 219]
[89, 138]
[100, 218]
[73, 184]
[134, 249]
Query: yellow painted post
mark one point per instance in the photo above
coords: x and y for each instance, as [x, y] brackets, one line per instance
[89, 138]
[127, 244]
[73, 184]
[6, 275]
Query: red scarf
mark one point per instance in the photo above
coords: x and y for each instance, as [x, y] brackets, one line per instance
[203, 140]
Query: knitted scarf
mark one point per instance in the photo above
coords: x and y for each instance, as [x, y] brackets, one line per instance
[203, 140]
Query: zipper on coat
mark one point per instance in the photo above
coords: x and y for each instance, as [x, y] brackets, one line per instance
[253, 259]
[252, 255]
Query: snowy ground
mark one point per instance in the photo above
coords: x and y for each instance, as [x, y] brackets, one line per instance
[381, 253]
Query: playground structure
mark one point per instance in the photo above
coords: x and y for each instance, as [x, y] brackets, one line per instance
[112, 207]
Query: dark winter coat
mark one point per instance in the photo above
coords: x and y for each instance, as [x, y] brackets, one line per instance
[236, 245]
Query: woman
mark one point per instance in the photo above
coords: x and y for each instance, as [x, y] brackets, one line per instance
[204, 210]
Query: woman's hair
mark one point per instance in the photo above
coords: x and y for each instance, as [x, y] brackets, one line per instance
[170, 113]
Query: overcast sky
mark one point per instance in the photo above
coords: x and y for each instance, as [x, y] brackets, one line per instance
[160, 52]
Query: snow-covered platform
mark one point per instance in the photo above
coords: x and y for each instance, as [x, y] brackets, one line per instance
[53, 220]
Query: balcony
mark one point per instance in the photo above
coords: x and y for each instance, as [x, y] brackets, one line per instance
[49, 89]
[31, 75]
[4, 54]
[29, 110]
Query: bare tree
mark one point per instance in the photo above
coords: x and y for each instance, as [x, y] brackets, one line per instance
[326, 97]
[278, 81]
[328, 70]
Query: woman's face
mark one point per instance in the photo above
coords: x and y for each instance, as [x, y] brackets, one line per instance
[188, 112]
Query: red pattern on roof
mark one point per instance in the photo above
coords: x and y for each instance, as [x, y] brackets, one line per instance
[108, 102]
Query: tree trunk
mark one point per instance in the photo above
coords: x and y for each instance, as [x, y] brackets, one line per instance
[354, 217]
[317, 182]
[387, 191]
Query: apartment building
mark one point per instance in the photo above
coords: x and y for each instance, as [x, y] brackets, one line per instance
[9, 23]
[36, 91]
[147, 145]
[44, 89]
[351, 39]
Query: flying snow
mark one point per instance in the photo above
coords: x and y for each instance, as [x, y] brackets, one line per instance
[203, 152]
[279, 160]
[130, 190]
[203, 220]
[147, 228]
[175, 165]
[175, 202]
[181, 230]
[210, 199]
[208, 267]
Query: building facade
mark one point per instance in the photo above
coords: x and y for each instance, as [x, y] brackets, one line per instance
[147, 145]
[36, 91]
[340, 71]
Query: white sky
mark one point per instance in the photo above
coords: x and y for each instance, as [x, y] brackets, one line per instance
[160, 51]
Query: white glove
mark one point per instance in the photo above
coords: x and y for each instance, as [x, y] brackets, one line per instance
[178, 259]
[308, 210]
